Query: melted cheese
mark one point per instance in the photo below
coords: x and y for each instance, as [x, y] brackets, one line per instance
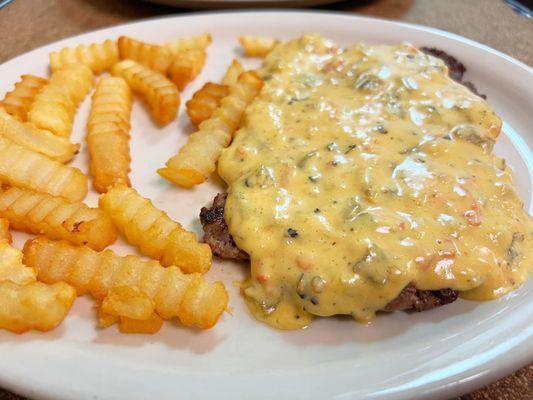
[358, 171]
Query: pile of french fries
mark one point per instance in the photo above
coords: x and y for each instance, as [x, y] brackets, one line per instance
[40, 194]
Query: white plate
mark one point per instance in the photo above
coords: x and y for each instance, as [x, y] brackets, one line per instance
[439, 353]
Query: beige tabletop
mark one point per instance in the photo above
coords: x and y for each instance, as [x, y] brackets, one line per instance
[26, 24]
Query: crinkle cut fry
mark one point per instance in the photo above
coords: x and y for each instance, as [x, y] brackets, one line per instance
[175, 294]
[26, 304]
[186, 67]
[200, 42]
[57, 218]
[99, 57]
[54, 107]
[232, 74]
[18, 101]
[152, 56]
[160, 94]
[257, 46]
[129, 302]
[5, 234]
[44, 142]
[153, 232]
[150, 325]
[11, 267]
[207, 99]
[34, 305]
[108, 134]
[27, 169]
[197, 159]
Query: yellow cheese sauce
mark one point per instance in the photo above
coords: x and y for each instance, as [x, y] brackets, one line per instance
[357, 171]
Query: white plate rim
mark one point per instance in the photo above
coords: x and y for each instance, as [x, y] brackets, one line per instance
[266, 11]
[522, 346]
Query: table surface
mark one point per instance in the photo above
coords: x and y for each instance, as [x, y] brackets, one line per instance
[26, 24]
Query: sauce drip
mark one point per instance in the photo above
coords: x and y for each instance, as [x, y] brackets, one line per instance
[357, 171]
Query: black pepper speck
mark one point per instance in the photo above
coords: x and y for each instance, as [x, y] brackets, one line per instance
[292, 233]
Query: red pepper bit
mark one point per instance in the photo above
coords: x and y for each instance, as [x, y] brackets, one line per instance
[423, 262]
[447, 253]
[263, 278]
[473, 216]
[332, 66]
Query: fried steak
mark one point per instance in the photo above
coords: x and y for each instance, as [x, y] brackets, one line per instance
[217, 235]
